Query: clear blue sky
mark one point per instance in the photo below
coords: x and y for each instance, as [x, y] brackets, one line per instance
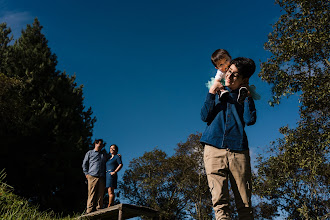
[144, 64]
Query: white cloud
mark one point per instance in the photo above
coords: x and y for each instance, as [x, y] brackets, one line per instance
[16, 20]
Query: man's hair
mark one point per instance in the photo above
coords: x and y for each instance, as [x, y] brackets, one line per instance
[218, 55]
[98, 141]
[245, 66]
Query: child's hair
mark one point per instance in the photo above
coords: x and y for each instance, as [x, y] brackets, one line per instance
[218, 55]
[245, 66]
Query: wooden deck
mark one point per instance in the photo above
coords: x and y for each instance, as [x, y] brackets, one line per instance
[121, 212]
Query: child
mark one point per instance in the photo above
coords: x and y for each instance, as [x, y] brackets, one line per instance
[226, 150]
[221, 60]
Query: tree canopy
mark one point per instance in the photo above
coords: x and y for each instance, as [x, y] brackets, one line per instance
[295, 178]
[44, 126]
[176, 185]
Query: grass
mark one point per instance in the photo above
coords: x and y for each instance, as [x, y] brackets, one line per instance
[14, 207]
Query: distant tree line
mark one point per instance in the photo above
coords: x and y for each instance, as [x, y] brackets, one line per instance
[44, 126]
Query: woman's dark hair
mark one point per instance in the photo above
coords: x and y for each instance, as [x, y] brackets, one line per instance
[116, 147]
[245, 66]
[218, 55]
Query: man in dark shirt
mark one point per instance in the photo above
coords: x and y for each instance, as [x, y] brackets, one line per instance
[226, 151]
[94, 170]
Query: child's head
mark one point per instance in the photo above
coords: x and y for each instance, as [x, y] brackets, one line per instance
[221, 59]
[239, 72]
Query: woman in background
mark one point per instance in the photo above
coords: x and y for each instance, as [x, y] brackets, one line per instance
[113, 165]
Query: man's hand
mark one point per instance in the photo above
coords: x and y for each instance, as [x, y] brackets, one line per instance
[113, 173]
[216, 87]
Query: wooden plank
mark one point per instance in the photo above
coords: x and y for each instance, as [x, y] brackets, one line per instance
[120, 212]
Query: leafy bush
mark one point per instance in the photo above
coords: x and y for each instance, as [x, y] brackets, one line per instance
[15, 207]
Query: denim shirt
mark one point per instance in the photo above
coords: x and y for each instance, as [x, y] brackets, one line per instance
[94, 163]
[226, 121]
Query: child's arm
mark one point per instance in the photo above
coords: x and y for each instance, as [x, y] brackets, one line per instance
[218, 77]
[217, 85]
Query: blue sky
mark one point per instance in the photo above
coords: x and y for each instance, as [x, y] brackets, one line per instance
[144, 64]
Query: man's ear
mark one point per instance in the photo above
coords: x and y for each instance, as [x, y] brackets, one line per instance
[246, 80]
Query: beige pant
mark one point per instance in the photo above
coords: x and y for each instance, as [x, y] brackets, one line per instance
[221, 164]
[96, 187]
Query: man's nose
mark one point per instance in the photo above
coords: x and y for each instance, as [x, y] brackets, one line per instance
[229, 75]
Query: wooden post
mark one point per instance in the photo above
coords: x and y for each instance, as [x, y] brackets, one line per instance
[120, 213]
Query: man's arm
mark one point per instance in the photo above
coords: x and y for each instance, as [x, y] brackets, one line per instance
[250, 113]
[85, 164]
[207, 109]
[209, 104]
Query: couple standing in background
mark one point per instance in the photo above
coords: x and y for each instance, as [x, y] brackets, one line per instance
[100, 169]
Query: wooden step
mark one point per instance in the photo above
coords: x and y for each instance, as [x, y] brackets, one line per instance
[121, 212]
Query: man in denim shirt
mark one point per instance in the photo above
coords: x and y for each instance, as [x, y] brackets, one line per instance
[226, 152]
[94, 170]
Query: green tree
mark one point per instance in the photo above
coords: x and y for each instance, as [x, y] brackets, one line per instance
[176, 185]
[43, 153]
[193, 184]
[10, 88]
[149, 182]
[5, 49]
[11, 112]
[295, 178]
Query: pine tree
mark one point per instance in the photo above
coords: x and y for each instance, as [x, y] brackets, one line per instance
[10, 88]
[43, 157]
